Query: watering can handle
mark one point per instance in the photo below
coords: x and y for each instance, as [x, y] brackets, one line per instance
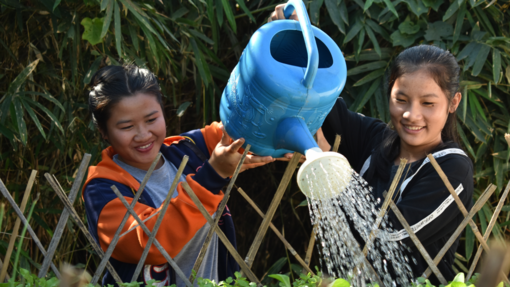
[311, 45]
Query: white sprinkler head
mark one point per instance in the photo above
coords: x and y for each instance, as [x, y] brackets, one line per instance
[323, 169]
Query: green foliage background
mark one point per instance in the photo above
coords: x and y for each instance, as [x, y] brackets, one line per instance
[51, 48]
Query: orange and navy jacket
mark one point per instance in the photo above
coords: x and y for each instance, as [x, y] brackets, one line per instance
[182, 219]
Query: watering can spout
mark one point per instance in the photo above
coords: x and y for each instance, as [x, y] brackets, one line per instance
[293, 134]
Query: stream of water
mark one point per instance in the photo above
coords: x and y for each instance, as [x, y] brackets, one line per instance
[350, 214]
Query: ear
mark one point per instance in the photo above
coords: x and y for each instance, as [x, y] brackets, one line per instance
[104, 135]
[455, 102]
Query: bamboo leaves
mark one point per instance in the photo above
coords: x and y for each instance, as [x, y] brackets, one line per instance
[14, 102]
[338, 13]
[15, 85]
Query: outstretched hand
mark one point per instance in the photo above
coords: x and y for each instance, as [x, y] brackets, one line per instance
[226, 156]
[278, 14]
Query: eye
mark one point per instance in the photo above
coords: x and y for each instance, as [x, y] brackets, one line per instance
[152, 120]
[126, 128]
[400, 100]
[429, 104]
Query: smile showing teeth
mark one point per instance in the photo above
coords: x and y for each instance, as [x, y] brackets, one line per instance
[414, 128]
[145, 146]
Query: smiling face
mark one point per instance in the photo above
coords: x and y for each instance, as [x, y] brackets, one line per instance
[136, 129]
[419, 109]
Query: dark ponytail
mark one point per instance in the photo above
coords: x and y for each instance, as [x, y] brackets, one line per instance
[443, 68]
[111, 84]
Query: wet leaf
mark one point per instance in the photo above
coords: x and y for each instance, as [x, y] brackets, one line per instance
[93, 30]
[284, 279]
[340, 283]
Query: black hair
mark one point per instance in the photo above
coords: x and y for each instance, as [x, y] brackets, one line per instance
[111, 84]
[443, 68]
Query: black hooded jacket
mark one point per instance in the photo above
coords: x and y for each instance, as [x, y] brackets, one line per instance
[422, 197]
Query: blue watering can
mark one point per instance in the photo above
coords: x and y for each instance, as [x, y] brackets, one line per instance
[284, 86]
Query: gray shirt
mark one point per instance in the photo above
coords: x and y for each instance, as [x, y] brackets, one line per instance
[158, 187]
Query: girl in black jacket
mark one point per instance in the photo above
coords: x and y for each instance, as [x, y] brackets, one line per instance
[423, 96]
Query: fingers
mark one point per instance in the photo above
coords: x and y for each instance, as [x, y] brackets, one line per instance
[235, 146]
[225, 138]
[253, 159]
[279, 12]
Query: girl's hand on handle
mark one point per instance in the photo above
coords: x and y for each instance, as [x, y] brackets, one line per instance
[278, 14]
[226, 156]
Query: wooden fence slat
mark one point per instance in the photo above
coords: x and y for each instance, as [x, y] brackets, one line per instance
[156, 242]
[37, 242]
[386, 204]
[219, 212]
[417, 243]
[477, 206]
[59, 230]
[287, 176]
[17, 224]
[458, 201]
[244, 267]
[488, 231]
[143, 221]
[74, 215]
[275, 230]
[461, 206]
[116, 237]
[155, 229]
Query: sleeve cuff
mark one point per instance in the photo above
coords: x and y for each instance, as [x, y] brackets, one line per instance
[209, 178]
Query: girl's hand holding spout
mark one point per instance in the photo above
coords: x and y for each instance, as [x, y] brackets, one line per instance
[226, 156]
